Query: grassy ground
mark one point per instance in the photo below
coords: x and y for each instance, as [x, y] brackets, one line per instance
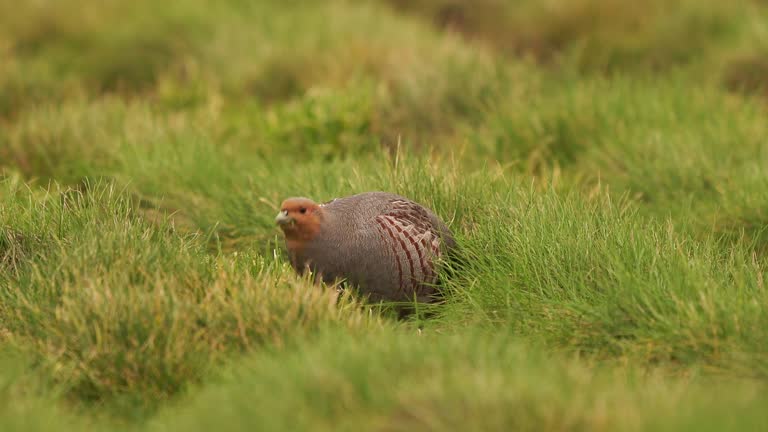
[603, 165]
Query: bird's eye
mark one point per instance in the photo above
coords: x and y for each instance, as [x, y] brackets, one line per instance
[302, 210]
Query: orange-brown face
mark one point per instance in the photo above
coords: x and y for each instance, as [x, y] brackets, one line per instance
[299, 218]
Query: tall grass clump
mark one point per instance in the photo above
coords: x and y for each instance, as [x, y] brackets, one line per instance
[115, 308]
[591, 275]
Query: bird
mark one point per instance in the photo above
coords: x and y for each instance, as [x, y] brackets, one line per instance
[384, 244]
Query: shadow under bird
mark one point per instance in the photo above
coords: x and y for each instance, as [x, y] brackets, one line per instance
[385, 245]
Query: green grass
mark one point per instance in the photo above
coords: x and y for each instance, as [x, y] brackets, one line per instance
[602, 167]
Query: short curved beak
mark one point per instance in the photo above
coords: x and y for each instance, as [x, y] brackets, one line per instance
[283, 218]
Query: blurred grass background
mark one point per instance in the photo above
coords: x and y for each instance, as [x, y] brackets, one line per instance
[603, 164]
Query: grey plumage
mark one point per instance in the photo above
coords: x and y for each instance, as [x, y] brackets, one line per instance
[383, 243]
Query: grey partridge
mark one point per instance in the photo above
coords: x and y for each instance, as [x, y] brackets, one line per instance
[384, 244]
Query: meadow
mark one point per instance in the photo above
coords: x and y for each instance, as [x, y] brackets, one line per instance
[602, 163]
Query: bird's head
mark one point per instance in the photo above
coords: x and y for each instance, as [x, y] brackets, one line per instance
[299, 218]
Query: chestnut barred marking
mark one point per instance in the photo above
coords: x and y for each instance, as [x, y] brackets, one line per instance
[412, 237]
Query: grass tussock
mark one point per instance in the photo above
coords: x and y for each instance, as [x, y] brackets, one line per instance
[115, 306]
